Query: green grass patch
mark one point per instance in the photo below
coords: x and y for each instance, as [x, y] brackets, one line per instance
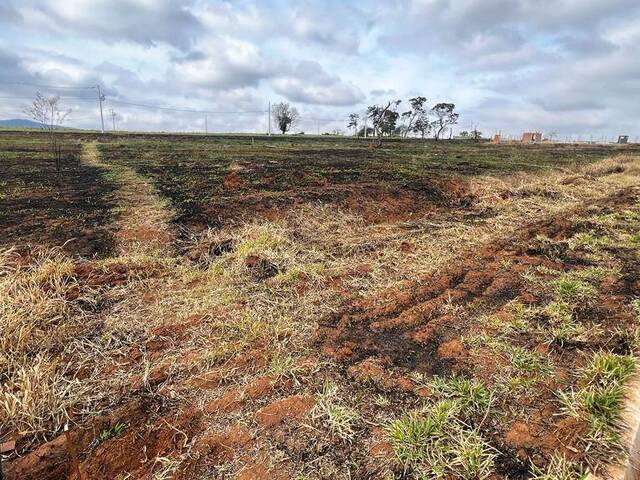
[434, 443]
[473, 396]
[112, 432]
[572, 289]
[598, 400]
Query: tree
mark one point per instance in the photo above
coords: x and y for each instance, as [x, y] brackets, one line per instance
[285, 116]
[388, 124]
[383, 118]
[476, 135]
[422, 125]
[46, 111]
[445, 116]
[354, 118]
[417, 110]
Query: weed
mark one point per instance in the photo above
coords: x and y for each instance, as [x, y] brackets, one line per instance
[633, 240]
[472, 457]
[413, 434]
[558, 312]
[598, 403]
[635, 304]
[36, 397]
[563, 332]
[519, 321]
[600, 407]
[109, 433]
[381, 401]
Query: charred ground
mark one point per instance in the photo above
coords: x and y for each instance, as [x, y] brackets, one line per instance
[315, 308]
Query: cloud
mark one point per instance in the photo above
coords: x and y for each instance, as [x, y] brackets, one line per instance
[331, 24]
[307, 82]
[140, 21]
[226, 63]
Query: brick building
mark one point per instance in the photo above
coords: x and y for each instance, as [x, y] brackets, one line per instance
[531, 137]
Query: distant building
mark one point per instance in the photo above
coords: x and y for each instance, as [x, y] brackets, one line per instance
[531, 137]
[497, 138]
[623, 139]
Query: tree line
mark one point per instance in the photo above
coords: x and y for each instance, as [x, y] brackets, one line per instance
[418, 119]
[385, 120]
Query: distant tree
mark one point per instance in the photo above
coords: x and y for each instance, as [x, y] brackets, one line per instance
[383, 118]
[445, 116]
[465, 134]
[388, 126]
[422, 125]
[285, 116]
[476, 135]
[354, 118]
[47, 112]
[417, 110]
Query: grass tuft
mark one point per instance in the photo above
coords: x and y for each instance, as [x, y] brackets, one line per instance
[434, 443]
[598, 401]
[473, 396]
[606, 368]
[332, 412]
[558, 468]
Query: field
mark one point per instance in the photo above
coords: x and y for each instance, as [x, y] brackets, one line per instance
[177, 306]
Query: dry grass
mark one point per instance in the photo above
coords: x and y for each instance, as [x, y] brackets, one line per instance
[144, 218]
[41, 309]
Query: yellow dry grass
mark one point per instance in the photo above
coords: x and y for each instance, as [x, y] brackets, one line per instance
[144, 218]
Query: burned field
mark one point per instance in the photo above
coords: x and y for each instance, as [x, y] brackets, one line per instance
[40, 206]
[314, 308]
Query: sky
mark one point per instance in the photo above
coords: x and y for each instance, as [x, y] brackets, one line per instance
[571, 67]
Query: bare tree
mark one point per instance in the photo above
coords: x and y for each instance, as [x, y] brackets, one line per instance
[285, 116]
[417, 110]
[46, 111]
[354, 118]
[445, 116]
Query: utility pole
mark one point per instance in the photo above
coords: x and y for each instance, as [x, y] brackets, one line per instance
[365, 125]
[113, 119]
[269, 119]
[318, 127]
[100, 100]
[206, 127]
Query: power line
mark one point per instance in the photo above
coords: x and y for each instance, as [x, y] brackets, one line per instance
[61, 96]
[78, 87]
[172, 109]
